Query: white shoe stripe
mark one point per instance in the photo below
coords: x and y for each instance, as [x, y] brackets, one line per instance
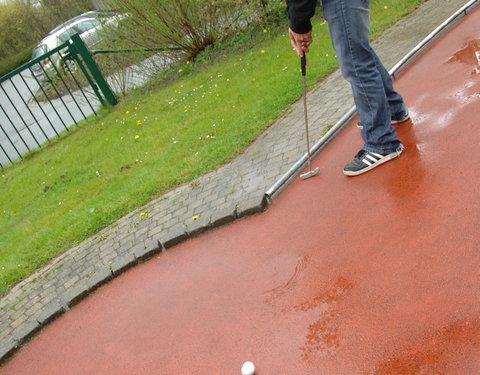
[367, 162]
[371, 157]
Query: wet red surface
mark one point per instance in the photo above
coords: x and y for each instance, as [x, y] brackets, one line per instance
[376, 274]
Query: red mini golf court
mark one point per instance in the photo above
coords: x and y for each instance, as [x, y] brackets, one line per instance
[372, 275]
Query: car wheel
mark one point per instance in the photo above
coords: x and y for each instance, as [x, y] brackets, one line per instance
[69, 65]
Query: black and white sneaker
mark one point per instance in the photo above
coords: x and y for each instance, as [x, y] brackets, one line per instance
[406, 117]
[366, 160]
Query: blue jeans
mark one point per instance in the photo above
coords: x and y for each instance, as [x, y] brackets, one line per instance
[376, 100]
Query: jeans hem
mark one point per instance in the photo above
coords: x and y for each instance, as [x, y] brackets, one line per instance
[383, 151]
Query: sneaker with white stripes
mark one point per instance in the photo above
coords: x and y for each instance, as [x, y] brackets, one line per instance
[366, 160]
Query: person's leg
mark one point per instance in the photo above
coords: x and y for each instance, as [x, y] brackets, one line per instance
[349, 26]
[398, 108]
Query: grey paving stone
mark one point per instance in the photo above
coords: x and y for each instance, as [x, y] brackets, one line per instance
[75, 293]
[7, 348]
[194, 227]
[173, 236]
[250, 206]
[122, 263]
[155, 231]
[98, 278]
[49, 312]
[25, 331]
[222, 217]
[146, 250]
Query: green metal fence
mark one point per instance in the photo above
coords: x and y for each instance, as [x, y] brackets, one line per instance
[44, 97]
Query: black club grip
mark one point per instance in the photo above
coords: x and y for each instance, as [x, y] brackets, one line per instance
[303, 64]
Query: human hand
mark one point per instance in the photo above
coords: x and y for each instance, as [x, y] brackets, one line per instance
[300, 42]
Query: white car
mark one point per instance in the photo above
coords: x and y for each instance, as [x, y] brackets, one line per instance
[91, 29]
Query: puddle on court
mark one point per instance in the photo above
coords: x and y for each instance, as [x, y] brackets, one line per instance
[327, 298]
[272, 295]
[470, 54]
[322, 339]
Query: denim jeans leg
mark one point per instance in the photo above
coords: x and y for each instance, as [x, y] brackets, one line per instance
[349, 27]
[398, 108]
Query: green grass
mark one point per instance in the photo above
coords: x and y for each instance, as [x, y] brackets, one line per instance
[154, 140]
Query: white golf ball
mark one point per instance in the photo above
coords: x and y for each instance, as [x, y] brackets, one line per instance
[248, 368]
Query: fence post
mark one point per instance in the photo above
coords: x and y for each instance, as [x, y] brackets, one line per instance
[92, 66]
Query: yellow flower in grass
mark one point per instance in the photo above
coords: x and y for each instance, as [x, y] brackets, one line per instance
[262, 51]
[180, 70]
[195, 217]
[139, 122]
[137, 136]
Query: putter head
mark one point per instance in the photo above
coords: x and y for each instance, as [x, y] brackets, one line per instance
[310, 173]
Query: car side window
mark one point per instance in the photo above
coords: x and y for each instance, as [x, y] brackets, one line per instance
[63, 37]
[86, 25]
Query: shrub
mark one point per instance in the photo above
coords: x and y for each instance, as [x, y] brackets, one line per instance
[14, 61]
[190, 25]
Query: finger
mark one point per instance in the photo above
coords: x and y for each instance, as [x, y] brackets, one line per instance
[297, 47]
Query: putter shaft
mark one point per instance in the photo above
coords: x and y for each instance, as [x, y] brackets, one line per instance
[310, 172]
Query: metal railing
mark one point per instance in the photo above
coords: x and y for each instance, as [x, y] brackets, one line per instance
[46, 96]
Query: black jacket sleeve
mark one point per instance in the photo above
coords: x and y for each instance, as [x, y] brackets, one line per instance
[299, 13]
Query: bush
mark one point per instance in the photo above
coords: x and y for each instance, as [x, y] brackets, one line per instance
[190, 25]
[12, 62]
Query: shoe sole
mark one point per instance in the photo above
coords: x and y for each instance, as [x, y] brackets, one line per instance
[380, 162]
[394, 122]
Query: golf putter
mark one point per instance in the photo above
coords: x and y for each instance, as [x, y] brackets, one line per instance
[310, 173]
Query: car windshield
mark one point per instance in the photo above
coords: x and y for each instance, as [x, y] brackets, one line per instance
[39, 51]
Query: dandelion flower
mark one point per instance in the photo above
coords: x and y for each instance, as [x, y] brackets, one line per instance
[137, 136]
[385, 7]
[195, 217]
[143, 214]
[139, 122]
[262, 51]
[265, 30]
[127, 112]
